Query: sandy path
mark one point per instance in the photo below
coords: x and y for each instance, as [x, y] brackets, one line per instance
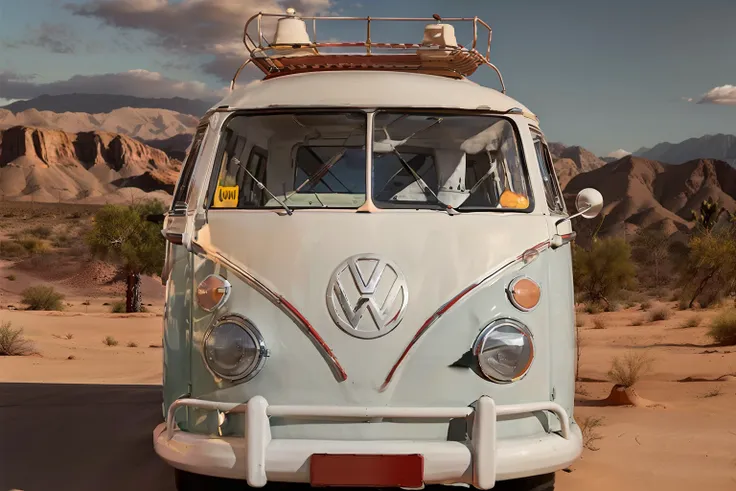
[93, 361]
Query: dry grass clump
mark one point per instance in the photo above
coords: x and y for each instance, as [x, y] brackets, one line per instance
[660, 314]
[588, 428]
[42, 297]
[723, 328]
[626, 371]
[646, 305]
[693, 321]
[599, 323]
[579, 322]
[637, 322]
[110, 341]
[13, 343]
[132, 344]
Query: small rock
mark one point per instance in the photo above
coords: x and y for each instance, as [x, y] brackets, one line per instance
[71, 357]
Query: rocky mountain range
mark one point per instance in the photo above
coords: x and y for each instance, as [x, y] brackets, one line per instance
[720, 146]
[105, 103]
[143, 124]
[88, 167]
[642, 193]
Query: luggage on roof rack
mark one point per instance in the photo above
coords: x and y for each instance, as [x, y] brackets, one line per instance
[295, 50]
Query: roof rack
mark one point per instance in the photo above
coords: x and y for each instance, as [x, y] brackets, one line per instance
[294, 50]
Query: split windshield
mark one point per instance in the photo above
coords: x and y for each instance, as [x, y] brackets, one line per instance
[318, 160]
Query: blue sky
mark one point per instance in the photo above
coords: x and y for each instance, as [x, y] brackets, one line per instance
[604, 75]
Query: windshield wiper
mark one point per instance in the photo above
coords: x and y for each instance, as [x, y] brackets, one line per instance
[449, 209]
[261, 186]
[320, 172]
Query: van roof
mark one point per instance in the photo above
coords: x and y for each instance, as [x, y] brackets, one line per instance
[347, 89]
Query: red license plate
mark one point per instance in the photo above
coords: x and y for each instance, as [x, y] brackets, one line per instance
[367, 470]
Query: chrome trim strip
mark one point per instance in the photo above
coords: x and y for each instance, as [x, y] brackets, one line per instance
[447, 306]
[279, 301]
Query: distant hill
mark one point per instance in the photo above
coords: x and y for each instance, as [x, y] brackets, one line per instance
[45, 165]
[571, 161]
[720, 147]
[143, 124]
[105, 103]
[642, 193]
[175, 147]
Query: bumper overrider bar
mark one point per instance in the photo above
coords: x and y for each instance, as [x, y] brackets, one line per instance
[258, 458]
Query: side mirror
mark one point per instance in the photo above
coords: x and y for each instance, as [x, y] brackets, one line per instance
[589, 203]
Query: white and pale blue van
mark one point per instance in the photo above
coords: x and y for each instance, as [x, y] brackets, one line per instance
[368, 273]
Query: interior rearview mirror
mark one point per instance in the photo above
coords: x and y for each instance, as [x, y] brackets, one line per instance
[589, 203]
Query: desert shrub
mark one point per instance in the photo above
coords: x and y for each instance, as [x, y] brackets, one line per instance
[637, 322]
[579, 322]
[588, 427]
[10, 249]
[723, 328]
[118, 307]
[41, 232]
[660, 314]
[61, 240]
[627, 370]
[33, 245]
[10, 277]
[683, 304]
[42, 297]
[68, 336]
[646, 305]
[604, 270]
[599, 323]
[12, 342]
[110, 341]
[709, 272]
[693, 321]
[132, 344]
[593, 308]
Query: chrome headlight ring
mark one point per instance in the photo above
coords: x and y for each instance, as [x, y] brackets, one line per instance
[237, 325]
[504, 351]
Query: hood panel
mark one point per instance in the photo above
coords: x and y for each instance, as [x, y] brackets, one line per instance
[439, 255]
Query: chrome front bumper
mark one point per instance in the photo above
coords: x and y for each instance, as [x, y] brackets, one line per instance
[257, 458]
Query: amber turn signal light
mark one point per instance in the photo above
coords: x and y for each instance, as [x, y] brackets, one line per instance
[212, 292]
[524, 293]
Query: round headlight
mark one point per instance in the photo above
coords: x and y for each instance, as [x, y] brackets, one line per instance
[505, 350]
[234, 349]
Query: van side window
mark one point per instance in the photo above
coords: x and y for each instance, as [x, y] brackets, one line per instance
[552, 190]
[182, 192]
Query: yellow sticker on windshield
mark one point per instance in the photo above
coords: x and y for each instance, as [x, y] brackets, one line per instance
[226, 197]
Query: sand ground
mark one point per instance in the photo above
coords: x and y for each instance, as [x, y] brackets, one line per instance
[687, 441]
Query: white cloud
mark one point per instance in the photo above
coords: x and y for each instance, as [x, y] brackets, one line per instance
[138, 83]
[725, 94]
[213, 28]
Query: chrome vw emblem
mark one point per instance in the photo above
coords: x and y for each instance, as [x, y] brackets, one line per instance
[367, 282]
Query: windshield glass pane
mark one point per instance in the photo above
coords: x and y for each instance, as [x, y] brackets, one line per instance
[307, 160]
[468, 162]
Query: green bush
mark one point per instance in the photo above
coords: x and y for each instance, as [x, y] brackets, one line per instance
[42, 297]
[723, 328]
[604, 270]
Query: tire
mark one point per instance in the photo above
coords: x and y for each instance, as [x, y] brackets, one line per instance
[544, 482]
[188, 481]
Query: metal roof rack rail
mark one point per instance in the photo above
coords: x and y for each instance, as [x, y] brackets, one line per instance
[295, 50]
